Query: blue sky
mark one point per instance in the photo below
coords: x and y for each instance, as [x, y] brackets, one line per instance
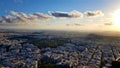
[29, 6]
[52, 14]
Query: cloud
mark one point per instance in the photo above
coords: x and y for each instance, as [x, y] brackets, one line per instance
[67, 24]
[43, 16]
[77, 24]
[5, 19]
[108, 24]
[20, 17]
[72, 14]
[76, 14]
[96, 13]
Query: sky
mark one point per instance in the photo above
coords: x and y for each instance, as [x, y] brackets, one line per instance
[80, 15]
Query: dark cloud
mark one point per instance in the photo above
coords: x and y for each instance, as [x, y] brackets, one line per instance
[94, 13]
[60, 14]
[77, 14]
[77, 24]
[20, 17]
[67, 24]
[72, 14]
[74, 24]
[108, 24]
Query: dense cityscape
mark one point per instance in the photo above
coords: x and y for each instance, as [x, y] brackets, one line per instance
[60, 34]
[53, 49]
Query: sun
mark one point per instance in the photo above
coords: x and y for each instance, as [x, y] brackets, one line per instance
[117, 18]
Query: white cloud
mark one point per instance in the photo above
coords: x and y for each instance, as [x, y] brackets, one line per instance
[20, 17]
[75, 14]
